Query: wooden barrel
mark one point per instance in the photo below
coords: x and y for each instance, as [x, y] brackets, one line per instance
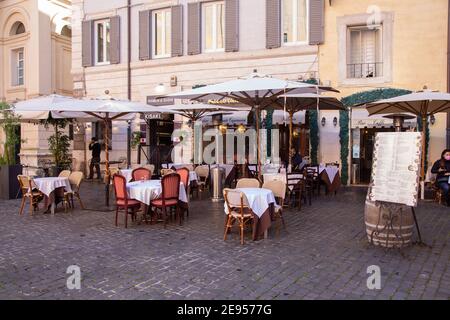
[388, 228]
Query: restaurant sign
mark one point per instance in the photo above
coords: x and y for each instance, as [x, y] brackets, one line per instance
[158, 101]
[379, 123]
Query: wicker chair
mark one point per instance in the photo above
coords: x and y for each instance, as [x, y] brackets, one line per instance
[237, 210]
[75, 179]
[248, 183]
[64, 174]
[278, 188]
[29, 192]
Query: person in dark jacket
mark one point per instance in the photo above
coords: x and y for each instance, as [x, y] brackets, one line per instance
[296, 159]
[96, 149]
[442, 169]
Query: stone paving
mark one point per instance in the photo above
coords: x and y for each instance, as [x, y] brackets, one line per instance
[323, 254]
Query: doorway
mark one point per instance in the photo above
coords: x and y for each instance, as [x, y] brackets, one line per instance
[367, 136]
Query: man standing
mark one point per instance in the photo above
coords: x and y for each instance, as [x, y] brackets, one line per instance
[96, 149]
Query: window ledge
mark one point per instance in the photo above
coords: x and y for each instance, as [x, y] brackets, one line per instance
[365, 81]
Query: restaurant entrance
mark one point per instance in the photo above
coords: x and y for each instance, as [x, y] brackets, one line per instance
[362, 155]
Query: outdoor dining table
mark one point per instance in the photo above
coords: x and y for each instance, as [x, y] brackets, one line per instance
[127, 173]
[52, 188]
[331, 177]
[148, 190]
[261, 201]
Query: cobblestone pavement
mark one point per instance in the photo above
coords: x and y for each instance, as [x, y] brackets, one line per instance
[323, 254]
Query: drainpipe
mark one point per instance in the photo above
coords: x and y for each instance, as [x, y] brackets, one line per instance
[129, 80]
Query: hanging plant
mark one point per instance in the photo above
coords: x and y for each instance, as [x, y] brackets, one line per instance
[136, 139]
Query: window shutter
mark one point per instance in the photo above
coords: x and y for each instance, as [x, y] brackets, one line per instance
[231, 25]
[316, 22]
[177, 31]
[194, 28]
[273, 24]
[87, 44]
[114, 53]
[145, 35]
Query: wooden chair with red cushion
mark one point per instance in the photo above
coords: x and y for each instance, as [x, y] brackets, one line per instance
[170, 184]
[123, 203]
[184, 176]
[141, 174]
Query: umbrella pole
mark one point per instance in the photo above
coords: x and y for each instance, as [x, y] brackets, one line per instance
[258, 148]
[107, 172]
[290, 137]
[424, 152]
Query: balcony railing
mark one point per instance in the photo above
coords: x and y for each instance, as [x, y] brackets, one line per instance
[364, 70]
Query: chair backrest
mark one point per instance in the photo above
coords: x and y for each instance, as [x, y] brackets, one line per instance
[294, 179]
[166, 171]
[202, 172]
[278, 188]
[120, 187]
[235, 199]
[184, 176]
[170, 184]
[149, 167]
[141, 174]
[64, 174]
[248, 183]
[25, 183]
[75, 179]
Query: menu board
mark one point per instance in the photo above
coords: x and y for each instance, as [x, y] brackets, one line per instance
[396, 167]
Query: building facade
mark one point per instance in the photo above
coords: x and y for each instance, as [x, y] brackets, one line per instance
[35, 59]
[382, 44]
[140, 49]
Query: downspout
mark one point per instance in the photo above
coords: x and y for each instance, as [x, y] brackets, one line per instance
[129, 80]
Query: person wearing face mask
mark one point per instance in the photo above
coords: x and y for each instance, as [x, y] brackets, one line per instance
[442, 169]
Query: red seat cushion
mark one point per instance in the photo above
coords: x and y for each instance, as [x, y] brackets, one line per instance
[159, 203]
[131, 203]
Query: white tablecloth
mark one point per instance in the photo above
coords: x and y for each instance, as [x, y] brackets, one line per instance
[259, 199]
[332, 171]
[48, 185]
[150, 190]
[127, 173]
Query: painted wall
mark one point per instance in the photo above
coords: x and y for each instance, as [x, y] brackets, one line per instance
[418, 48]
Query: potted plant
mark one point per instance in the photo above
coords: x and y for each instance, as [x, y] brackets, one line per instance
[9, 169]
[59, 145]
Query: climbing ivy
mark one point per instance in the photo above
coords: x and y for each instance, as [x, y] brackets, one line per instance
[358, 99]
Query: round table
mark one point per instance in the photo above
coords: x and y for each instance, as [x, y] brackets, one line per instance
[146, 191]
[49, 185]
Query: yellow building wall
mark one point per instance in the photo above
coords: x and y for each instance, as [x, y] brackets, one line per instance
[419, 52]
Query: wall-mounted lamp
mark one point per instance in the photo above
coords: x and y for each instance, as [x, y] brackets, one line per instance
[160, 88]
[432, 119]
[173, 81]
[241, 128]
[223, 128]
[324, 122]
[335, 121]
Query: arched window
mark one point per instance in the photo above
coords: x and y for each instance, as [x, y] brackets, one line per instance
[66, 31]
[17, 28]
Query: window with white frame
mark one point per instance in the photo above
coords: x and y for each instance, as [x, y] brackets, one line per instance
[365, 56]
[18, 67]
[102, 41]
[213, 26]
[162, 33]
[294, 21]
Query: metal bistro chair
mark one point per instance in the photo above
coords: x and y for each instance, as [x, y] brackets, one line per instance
[237, 210]
[278, 188]
[75, 179]
[28, 192]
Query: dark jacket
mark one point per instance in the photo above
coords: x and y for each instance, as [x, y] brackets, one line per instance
[297, 160]
[96, 149]
[441, 174]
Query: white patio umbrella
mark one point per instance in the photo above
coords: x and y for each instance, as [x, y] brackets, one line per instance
[422, 104]
[255, 90]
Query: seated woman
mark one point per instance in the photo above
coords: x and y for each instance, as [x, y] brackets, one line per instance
[442, 169]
